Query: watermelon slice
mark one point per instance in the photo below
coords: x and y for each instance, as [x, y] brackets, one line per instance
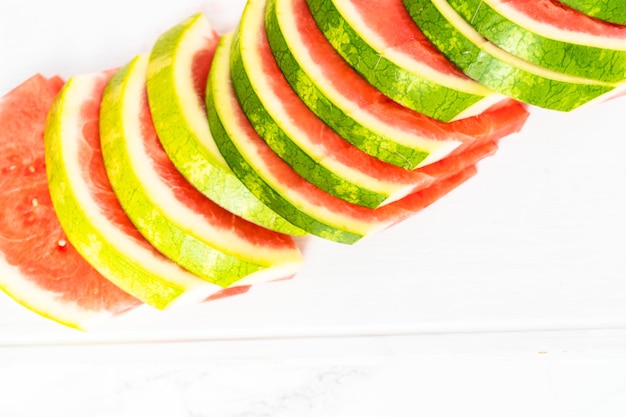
[89, 212]
[175, 218]
[296, 134]
[382, 43]
[296, 199]
[612, 11]
[179, 65]
[345, 101]
[498, 69]
[549, 35]
[359, 112]
[41, 269]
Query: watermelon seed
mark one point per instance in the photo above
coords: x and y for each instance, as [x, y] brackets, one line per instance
[62, 243]
[35, 202]
[31, 169]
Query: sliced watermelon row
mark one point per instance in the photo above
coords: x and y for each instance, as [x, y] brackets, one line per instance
[266, 127]
[280, 186]
[213, 245]
[184, 175]
[540, 52]
[41, 269]
[130, 228]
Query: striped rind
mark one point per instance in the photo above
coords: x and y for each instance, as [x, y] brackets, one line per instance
[441, 96]
[375, 136]
[235, 136]
[180, 119]
[217, 255]
[298, 136]
[613, 11]
[495, 67]
[119, 257]
[537, 42]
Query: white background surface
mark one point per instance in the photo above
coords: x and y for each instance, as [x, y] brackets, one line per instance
[507, 297]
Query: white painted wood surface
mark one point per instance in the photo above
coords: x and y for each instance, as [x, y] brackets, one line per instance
[508, 296]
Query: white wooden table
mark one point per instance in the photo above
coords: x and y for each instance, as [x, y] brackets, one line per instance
[507, 297]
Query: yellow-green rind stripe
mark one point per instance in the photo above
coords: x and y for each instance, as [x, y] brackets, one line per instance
[182, 246]
[613, 11]
[369, 139]
[496, 68]
[230, 138]
[603, 64]
[97, 249]
[403, 85]
[180, 120]
[265, 115]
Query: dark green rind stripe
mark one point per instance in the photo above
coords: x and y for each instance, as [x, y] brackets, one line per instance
[271, 197]
[210, 176]
[274, 134]
[188, 250]
[395, 81]
[591, 62]
[95, 248]
[251, 175]
[374, 143]
[495, 73]
[613, 11]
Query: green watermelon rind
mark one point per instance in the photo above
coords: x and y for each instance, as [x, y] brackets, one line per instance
[405, 85]
[602, 64]
[184, 133]
[612, 11]
[268, 189]
[264, 115]
[108, 255]
[190, 250]
[370, 139]
[496, 68]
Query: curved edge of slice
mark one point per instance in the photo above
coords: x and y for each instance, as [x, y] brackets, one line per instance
[321, 214]
[305, 69]
[52, 305]
[612, 11]
[400, 76]
[266, 174]
[496, 68]
[89, 212]
[542, 44]
[174, 217]
[179, 65]
[297, 135]
[39, 268]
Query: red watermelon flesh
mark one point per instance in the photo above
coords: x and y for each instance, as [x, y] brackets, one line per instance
[459, 161]
[229, 292]
[316, 137]
[498, 122]
[503, 119]
[195, 201]
[556, 14]
[276, 171]
[31, 237]
[100, 186]
[399, 30]
[96, 174]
